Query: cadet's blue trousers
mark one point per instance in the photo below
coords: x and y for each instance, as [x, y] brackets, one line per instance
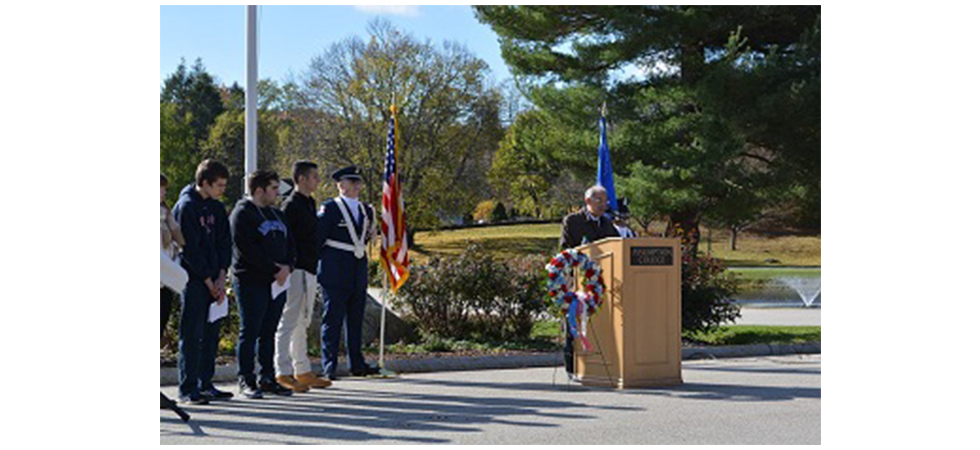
[342, 306]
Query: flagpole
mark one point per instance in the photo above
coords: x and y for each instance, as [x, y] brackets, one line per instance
[386, 280]
[384, 293]
[384, 310]
[251, 99]
[604, 174]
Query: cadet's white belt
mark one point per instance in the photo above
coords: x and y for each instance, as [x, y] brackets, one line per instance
[357, 251]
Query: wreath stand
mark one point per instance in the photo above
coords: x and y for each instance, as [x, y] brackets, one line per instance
[565, 331]
[598, 346]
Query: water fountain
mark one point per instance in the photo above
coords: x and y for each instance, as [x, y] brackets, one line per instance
[808, 288]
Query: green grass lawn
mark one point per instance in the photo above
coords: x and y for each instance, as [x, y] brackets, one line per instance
[755, 334]
[546, 337]
[750, 279]
[728, 335]
[510, 241]
[503, 242]
[754, 250]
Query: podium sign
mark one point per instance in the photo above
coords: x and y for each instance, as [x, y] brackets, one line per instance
[652, 256]
[636, 335]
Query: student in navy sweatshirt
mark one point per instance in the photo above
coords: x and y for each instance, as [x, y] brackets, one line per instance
[206, 256]
[264, 253]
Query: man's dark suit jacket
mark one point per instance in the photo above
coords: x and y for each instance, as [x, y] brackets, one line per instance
[577, 225]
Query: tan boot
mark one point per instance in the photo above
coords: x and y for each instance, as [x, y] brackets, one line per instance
[313, 381]
[292, 383]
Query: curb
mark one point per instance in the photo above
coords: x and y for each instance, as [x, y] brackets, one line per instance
[737, 351]
[228, 372]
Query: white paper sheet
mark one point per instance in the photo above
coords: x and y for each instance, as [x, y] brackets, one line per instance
[216, 311]
[279, 289]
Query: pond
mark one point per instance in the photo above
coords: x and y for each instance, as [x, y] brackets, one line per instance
[778, 287]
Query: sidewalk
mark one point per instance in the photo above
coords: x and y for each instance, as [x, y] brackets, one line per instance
[771, 400]
[227, 372]
[780, 316]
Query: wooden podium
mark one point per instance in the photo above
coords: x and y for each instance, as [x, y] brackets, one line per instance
[636, 334]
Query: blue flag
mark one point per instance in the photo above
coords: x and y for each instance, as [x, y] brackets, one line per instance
[605, 174]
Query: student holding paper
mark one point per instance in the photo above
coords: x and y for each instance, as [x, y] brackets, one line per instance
[212, 331]
[293, 368]
[264, 257]
[205, 257]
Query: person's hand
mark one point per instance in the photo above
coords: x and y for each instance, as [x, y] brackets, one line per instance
[219, 287]
[282, 274]
[210, 285]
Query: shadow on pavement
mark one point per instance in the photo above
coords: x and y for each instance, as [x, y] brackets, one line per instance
[357, 414]
[687, 390]
[731, 392]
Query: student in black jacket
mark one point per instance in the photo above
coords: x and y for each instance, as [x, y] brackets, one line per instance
[265, 253]
[206, 256]
[293, 368]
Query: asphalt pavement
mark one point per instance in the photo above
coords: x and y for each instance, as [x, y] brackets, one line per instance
[767, 400]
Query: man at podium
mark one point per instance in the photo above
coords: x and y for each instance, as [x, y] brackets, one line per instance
[587, 225]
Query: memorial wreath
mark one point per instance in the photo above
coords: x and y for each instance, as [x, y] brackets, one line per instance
[576, 306]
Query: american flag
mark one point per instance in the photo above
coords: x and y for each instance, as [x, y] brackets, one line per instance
[394, 239]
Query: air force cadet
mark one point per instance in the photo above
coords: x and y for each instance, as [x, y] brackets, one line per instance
[345, 225]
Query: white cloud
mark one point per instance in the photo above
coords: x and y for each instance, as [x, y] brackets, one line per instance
[395, 10]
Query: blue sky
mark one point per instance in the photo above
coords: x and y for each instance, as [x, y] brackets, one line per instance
[289, 36]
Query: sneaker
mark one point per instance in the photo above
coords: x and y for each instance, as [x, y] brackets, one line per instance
[194, 400]
[214, 394]
[332, 377]
[367, 370]
[248, 389]
[275, 388]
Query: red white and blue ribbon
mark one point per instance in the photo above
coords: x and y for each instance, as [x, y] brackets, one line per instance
[577, 306]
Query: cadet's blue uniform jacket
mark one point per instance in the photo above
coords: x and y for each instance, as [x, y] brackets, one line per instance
[340, 269]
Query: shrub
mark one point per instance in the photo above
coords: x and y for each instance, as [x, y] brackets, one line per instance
[471, 295]
[706, 294]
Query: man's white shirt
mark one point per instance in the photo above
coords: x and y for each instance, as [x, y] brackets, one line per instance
[354, 206]
[625, 232]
